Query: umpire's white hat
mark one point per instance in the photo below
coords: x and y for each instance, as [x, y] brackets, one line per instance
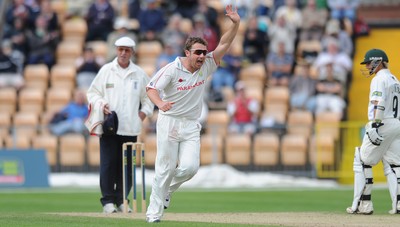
[125, 42]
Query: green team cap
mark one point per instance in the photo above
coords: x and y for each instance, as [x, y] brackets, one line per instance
[374, 54]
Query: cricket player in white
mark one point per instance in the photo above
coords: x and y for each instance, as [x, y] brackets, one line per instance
[382, 138]
[182, 83]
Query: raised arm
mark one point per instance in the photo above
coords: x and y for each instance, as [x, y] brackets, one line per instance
[227, 38]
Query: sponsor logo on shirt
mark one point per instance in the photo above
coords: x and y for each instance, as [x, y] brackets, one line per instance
[109, 85]
[185, 88]
[377, 93]
[180, 80]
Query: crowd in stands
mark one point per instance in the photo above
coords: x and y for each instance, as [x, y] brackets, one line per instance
[305, 46]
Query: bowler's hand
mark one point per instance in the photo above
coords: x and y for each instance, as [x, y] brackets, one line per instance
[232, 14]
[165, 106]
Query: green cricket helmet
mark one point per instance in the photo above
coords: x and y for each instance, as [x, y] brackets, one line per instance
[374, 57]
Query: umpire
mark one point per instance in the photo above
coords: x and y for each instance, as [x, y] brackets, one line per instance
[118, 90]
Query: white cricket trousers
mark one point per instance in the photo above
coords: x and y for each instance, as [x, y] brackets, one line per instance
[389, 150]
[177, 160]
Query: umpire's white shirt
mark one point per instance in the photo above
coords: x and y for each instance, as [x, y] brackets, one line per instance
[124, 90]
[179, 85]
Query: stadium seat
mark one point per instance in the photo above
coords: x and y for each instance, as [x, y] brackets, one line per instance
[31, 100]
[93, 149]
[5, 124]
[37, 75]
[50, 144]
[300, 122]
[328, 123]
[75, 30]
[217, 122]
[266, 149]
[100, 48]
[238, 149]
[150, 149]
[63, 76]
[8, 100]
[60, 8]
[323, 152]
[148, 52]
[253, 72]
[68, 51]
[25, 124]
[209, 145]
[57, 98]
[17, 142]
[72, 150]
[294, 150]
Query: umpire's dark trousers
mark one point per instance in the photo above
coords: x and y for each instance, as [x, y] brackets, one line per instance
[111, 168]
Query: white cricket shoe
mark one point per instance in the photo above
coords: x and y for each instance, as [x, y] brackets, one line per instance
[167, 200]
[153, 219]
[351, 211]
[109, 208]
[120, 209]
[394, 211]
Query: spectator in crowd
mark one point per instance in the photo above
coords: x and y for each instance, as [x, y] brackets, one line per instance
[334, 29]
[341, 9]
[72, 117]
[341, 62]
[302, 89]
[329, 93]
[10, 71]
[243, 111]
[279, 66]
[19, 9]
[100, 19]
[243, 7]
[151, 20]
[227, 73]
[280, 31]
[50, 15]
[121, 29]
[210, 14]
[168, 55]
[134, 9]
[255, 44]
[186, 8]
[87, 67]
[174, 32]
[314, 21]
[42, 43]
[17, 35]
[202, 29]
[291, 13]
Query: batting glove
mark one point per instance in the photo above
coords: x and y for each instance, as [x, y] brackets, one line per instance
[373, 135]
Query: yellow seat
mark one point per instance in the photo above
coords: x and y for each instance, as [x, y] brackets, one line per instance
[57, 98]
[8, 100]
[148, 52]
[209, 145]
[17, 142]
[93, 149]
[300, 122]
[266, 149]
[294, 150]
[31, 100]
[72, 150]
[68, 51]
[26, 124]
[328, 123]
[5, 124]
[50, 144]
[75, 30]
[37, 75]
[253, 72]
[100, 48]
[63, 76]
[238, 149]
[217, 122]
[323, 151]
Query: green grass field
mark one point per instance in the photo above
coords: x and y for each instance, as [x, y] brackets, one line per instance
[32, 207]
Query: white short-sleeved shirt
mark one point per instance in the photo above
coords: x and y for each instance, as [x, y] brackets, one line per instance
[385, 86]
[182, 87]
